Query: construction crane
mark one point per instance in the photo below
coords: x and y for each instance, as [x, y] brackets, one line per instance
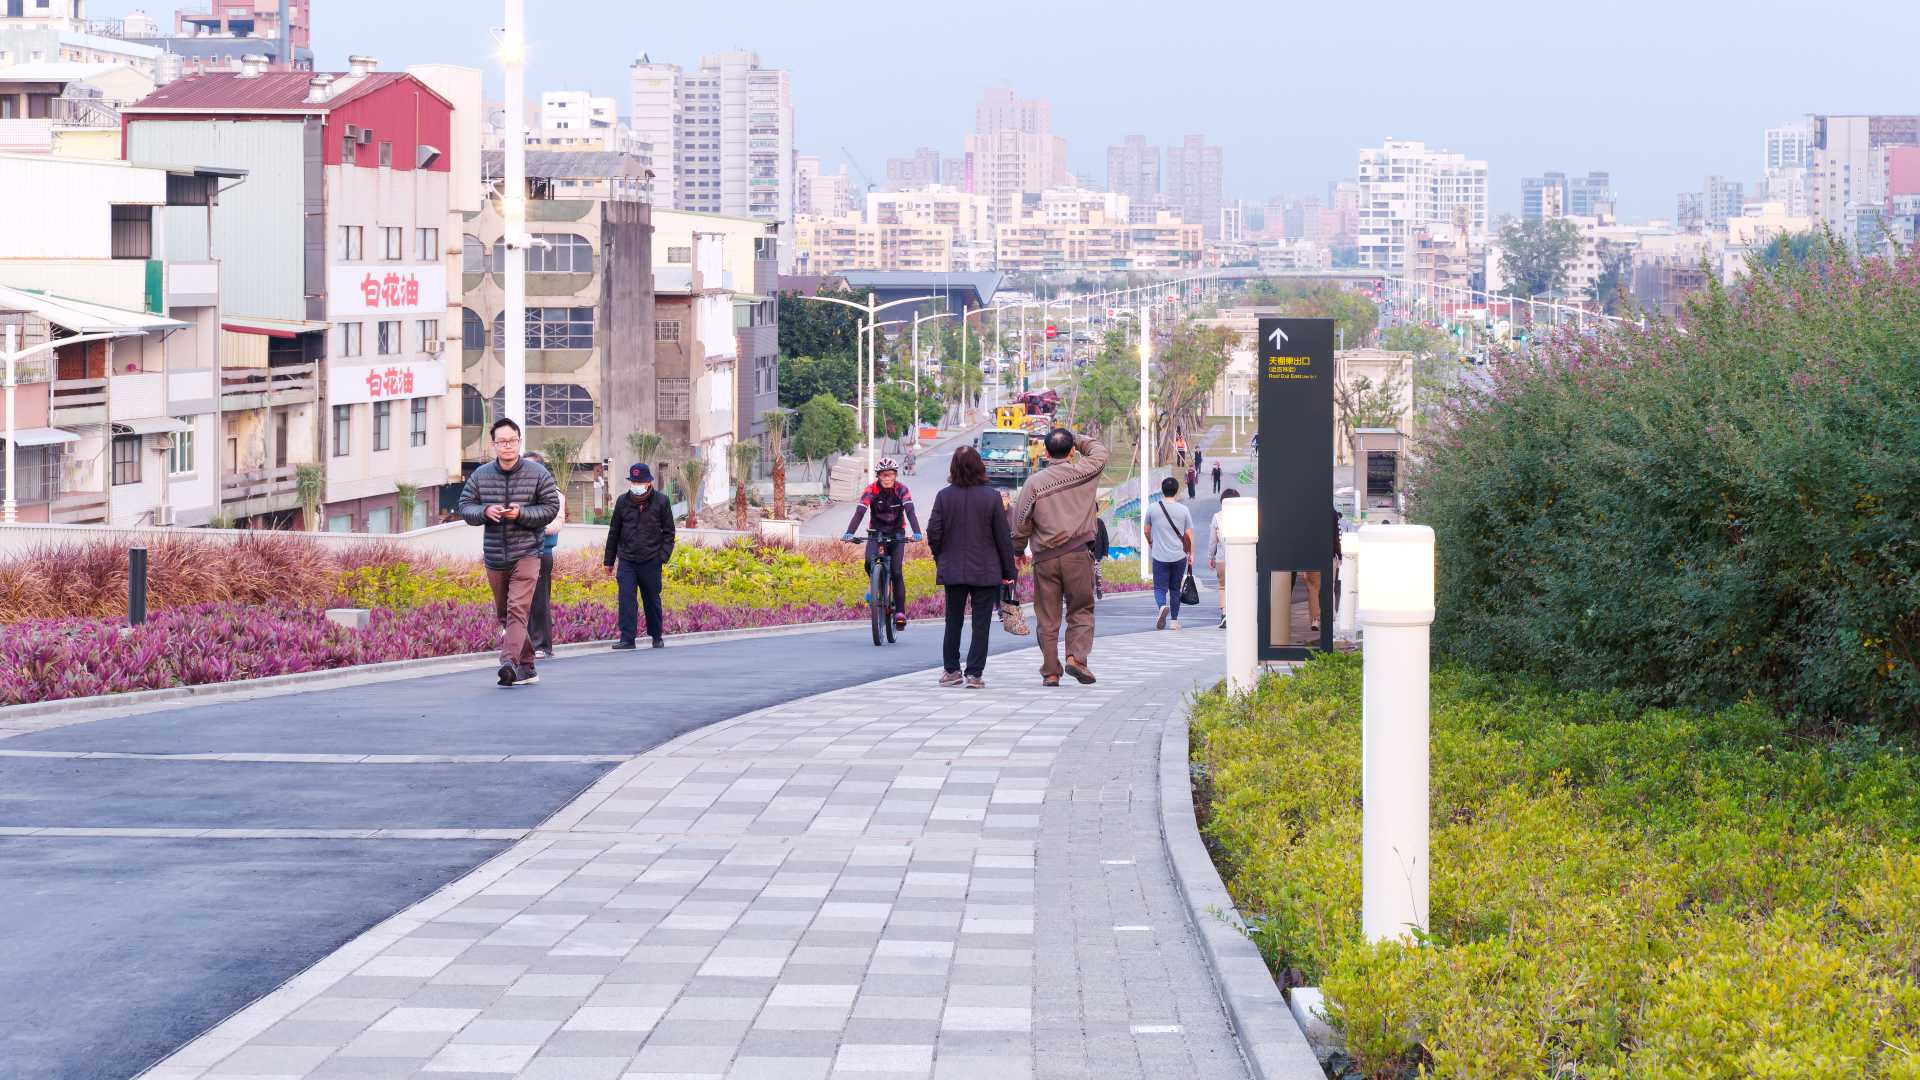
[856, 168]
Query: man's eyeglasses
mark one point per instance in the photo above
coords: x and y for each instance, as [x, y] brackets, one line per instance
[506, 442]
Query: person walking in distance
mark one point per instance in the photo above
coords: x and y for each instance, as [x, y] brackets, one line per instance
[1193, 483]
[514, 500]
[640, 540]
[1198, 456]
[1054, 516]
[1170, 542]
[973, 559]
[1216, 557]
[540, 616]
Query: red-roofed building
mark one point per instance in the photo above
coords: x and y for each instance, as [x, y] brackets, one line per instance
[333, 254]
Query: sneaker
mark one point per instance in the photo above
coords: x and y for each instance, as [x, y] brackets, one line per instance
[1315, 628]
[659, 643]
[528, 681]
[1080, 671]
[975, 682]
[543, 654]
[508, 674]
[1173, 624]
[950, 678]
[1161, 622]
[1223, 622]
[624, 646]
[527, 676]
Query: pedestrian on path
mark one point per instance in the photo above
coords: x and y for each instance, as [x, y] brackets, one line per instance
[973, 558]
[1193, 484]
[540, 617]
[1198, 456]
[640, 539]
[1217, 558]
[1054, 516]
[1170, 543]
[513, 500]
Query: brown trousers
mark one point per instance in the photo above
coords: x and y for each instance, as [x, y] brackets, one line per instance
[512, 599]
[1063, 583]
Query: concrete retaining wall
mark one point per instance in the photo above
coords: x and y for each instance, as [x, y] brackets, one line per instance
[453, 541]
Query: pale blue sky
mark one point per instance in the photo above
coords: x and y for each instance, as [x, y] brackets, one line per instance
[1659, 92]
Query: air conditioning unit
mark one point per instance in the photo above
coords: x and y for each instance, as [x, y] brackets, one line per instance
[433, 345]
[366, 136]
[163, 515]
[353, 131]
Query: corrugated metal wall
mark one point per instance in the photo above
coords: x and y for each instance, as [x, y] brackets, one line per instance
[257, 227]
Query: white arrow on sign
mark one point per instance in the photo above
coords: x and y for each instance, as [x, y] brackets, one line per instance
[1278, 337]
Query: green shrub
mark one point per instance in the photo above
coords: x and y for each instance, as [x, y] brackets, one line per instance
[1700, 516]
[1610, 883]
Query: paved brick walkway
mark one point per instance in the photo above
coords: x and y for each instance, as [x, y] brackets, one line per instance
[890, 881]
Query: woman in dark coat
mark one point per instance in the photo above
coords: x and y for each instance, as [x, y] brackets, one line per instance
[973, 553]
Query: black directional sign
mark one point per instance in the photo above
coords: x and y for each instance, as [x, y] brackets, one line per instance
[1296, 475]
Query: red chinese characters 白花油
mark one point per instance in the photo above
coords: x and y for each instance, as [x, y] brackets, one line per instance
[390, 291]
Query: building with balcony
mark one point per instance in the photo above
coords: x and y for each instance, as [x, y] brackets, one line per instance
[54, 32]
[751, 254]
[720, 135]
[696, 353]
[590, 311]
[103, 247]
[220, 33]
[334, 251]
[1402, 186]
[67, 107]
[829, 245]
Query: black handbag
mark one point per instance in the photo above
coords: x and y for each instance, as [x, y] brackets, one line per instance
[1189, 589]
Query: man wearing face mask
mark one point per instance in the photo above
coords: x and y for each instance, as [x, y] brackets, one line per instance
[640, 537]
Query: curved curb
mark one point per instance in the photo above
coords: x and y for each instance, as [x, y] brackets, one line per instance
[1270, 1038]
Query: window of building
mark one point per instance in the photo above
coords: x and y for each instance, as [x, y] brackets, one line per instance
[393, 240]
[352, 241]
[429, 331]
[666, 330]
[473, 255]
[552, 405]
[680, 255]
[563, 253]
[132, 232]
[386, 154]
[766, 247]
[380, 520]
[126, 459]
[382, 425]
[340, 523]
[473, 407]
[426, 245]
[350, 339]
[473, 332]
[551, 328]
[418, 436]
[390, 339]
[180, 451]
[342, 430]
[346, 149]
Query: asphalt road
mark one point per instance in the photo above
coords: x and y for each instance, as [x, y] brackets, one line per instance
[115, 950]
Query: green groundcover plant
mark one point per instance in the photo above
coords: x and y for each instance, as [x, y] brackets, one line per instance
[1722, 509]
[1617, 891]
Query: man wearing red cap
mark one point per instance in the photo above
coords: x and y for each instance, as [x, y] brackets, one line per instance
[640, 537]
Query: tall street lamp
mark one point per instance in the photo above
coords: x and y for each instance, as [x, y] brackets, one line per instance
[513, 210]
[870, 309]
[917, 320]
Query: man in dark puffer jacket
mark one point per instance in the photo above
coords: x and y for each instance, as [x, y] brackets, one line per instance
[513, 499]
[640, 537]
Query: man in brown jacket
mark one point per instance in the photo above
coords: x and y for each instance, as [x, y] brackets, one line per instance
[1055, 513]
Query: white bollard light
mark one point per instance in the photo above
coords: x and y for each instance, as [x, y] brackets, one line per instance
[1240, 535]
[1345, 621]
[1396, 613]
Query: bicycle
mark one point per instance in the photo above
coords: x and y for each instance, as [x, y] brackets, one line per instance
[880, 601]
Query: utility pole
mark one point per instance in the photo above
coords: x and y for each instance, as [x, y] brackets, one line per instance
[513, 206]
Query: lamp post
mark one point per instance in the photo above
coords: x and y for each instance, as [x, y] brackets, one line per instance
[870, 309]
[917, 320]
[513, 209]
[873, 380]
[1146, 438]
[1396, 612]
[1240, 533]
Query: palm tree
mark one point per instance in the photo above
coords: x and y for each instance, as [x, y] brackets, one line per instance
[561, 453]
[776, 422]
[741, 455]
[309, 483]
[406, 497]
[649, 447]
[693, 479]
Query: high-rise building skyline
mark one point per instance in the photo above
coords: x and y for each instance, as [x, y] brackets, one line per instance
[1133, 169]
[1014, 151]
[1195, 182]
[1576, 196]
[1847, 171]
[1403, 185]
[721, 135]
[917, 171]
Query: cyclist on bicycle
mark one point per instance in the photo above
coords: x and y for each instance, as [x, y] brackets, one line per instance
[892, 508]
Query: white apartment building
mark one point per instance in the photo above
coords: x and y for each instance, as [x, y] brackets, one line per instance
[56, 31]
[576, 120]
[1847, 173]
[832, 245]
[962, 211]
[1403, 185]
[1014, 151]
[721, 135]
[818, 192]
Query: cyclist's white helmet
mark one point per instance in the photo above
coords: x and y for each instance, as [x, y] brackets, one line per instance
[885, 464]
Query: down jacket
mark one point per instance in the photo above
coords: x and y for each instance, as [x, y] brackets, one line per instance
[530, 485]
